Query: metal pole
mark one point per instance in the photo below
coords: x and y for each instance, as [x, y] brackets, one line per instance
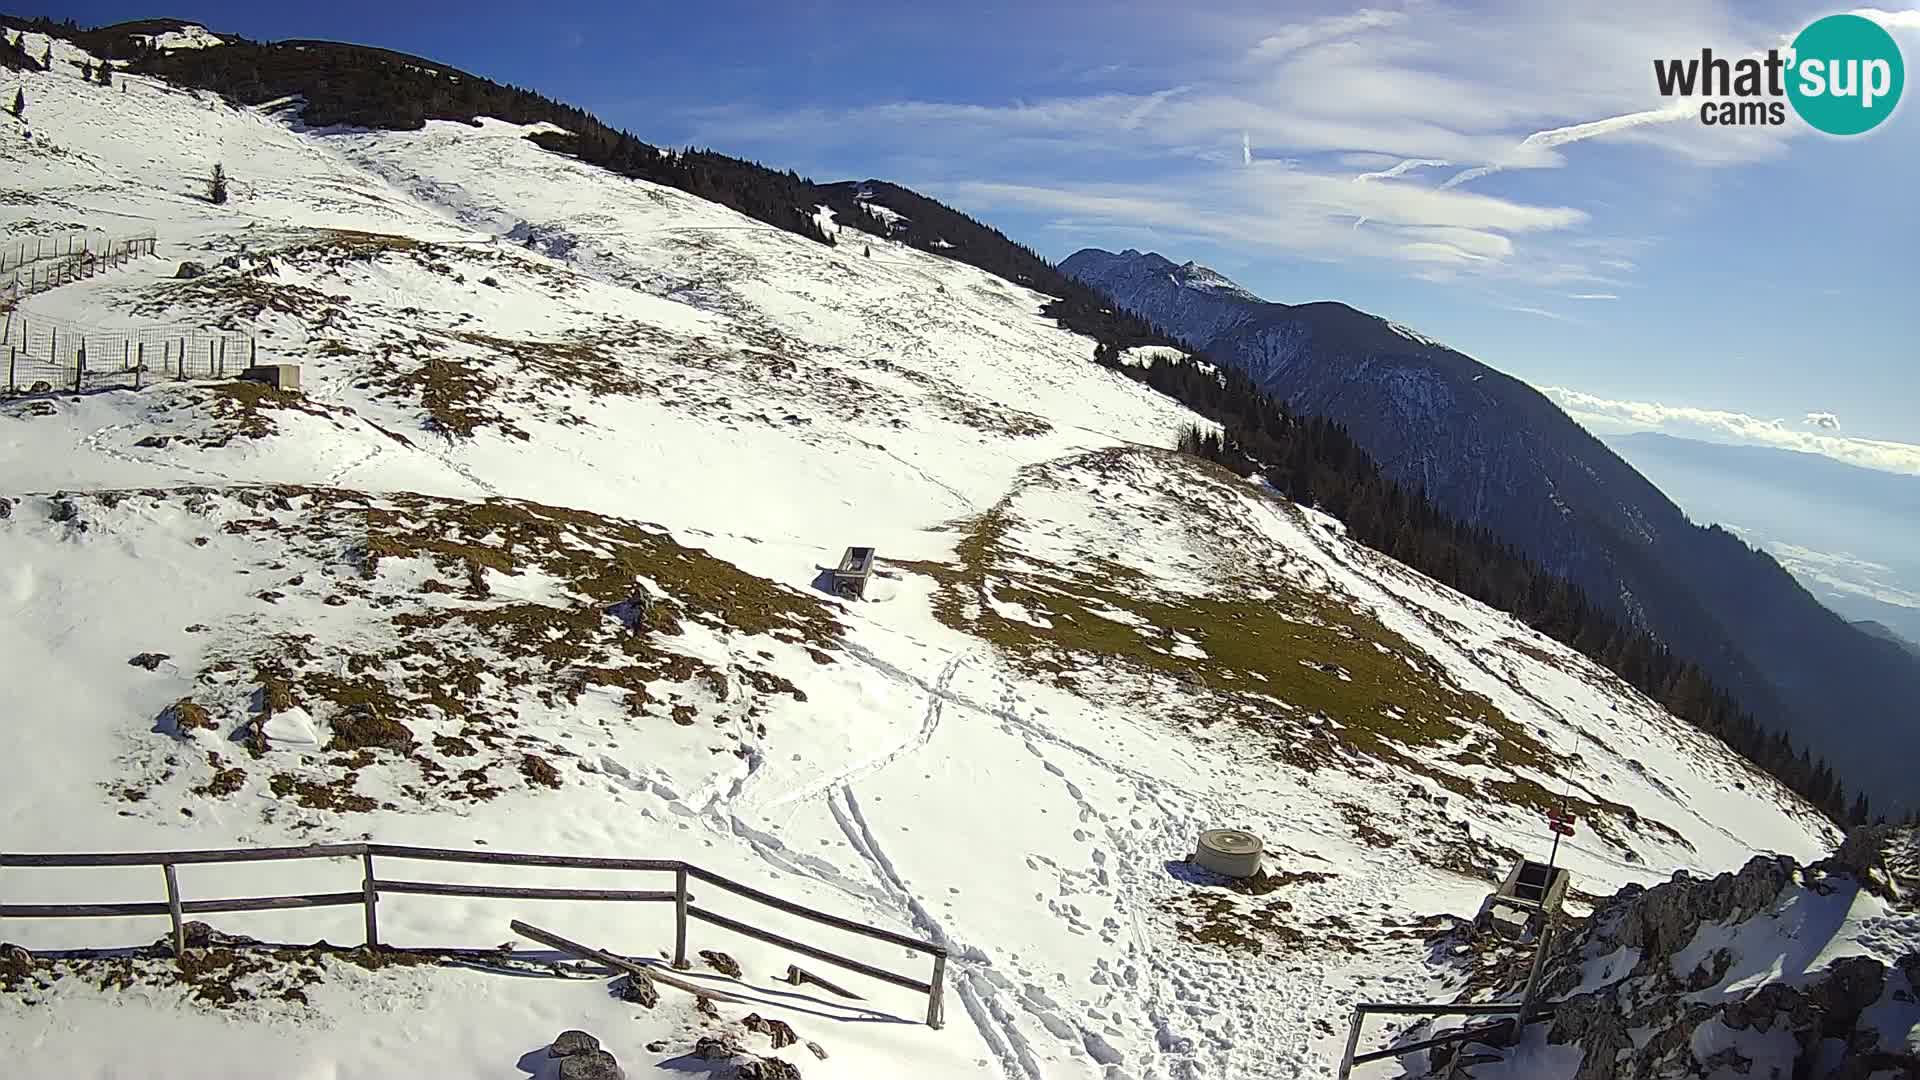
[680, 919]
[369, 899]
[173, 911]
[1353, 1043]
[11, 354]
[139, 363]
[1533, 978]
[79, 365]
[936, 1002]
[223, 357]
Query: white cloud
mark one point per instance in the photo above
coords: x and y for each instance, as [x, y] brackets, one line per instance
[1892, 20]
[1606, 416]
[1295, 38]
[1843, 573]
[1377, 96]
[1826, 421]
[1270, 205]
[1528, 153]
[1593, 296]
[1402, 168]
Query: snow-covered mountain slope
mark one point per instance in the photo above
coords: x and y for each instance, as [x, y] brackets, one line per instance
[1492, 451]
[531, 564]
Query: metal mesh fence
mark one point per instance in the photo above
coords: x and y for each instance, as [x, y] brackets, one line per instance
[32, 264]
[68, 356]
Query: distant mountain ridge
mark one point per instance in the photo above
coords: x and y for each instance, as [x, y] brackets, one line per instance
[1496, 452]
[1881, 630]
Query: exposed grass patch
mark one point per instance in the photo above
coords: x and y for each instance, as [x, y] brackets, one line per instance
[216, 972]
[439, 681]
[1325, 681]
[247, 409]
[1219, 920]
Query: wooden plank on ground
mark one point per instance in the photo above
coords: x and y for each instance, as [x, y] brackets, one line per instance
[620, 963]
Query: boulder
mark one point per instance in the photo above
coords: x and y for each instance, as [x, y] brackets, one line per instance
[572, 1041]
[721, 962]
[148, 660]
[592, 1065]
[640, 992]
[717, 1048]
[778, 1031]
[766, 1069]
[15, 961]
[190, 270]
[6, 509]
[40, 386]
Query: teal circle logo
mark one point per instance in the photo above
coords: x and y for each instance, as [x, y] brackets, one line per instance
[1846, 74]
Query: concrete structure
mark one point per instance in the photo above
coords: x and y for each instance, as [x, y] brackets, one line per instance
[279, 376]
[850, 577]
[1229, 853]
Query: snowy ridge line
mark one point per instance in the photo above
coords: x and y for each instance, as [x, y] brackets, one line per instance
[371, 886]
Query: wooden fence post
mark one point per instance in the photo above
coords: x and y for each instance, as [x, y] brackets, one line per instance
[11, 353]
[173, 910]
[79, 365]
[369, 899]
[680, 919]
[1353, 1043]
[139, 363]
[936, 1000]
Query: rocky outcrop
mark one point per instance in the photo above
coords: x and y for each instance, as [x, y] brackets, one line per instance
[582, 1059]
[1671, 973]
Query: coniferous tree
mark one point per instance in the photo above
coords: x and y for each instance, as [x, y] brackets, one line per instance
[217, 189]
[19, 103]
[46, 58]
[86, 70]
[106, 74]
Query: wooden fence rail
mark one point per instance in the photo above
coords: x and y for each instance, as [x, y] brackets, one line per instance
[367, 897]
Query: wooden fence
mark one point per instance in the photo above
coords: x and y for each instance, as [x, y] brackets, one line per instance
[367, 896]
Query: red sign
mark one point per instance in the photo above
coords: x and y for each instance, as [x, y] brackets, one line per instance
[1564, 828]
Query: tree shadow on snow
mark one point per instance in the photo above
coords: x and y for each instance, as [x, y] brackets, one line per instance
[753, 994]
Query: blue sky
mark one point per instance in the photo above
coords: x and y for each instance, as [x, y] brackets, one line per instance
[1724, 283]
